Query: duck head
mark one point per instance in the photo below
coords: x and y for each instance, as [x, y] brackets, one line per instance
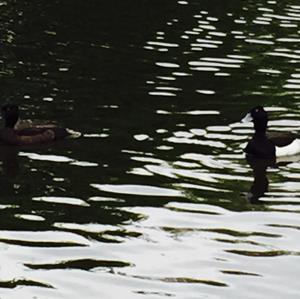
[259, 117]
[10, 114]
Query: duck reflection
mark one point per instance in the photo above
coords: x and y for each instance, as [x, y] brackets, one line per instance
[260, 183]
[9, 157]
[9, 160]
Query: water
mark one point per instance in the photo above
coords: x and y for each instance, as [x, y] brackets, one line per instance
[156, 198]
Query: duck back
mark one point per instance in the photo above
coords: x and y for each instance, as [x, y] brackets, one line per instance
[261, 147]
[281, 138]
[60, 133]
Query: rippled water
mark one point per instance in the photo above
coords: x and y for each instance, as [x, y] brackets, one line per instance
[156, 198]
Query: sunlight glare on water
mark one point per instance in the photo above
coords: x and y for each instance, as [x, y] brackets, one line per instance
[154, 198]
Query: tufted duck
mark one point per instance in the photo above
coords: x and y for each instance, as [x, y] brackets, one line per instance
[33, 135]
[268, 145]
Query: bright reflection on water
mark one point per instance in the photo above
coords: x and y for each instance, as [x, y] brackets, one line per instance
[155, 198]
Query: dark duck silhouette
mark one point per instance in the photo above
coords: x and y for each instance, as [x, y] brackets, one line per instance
[12, 135]
[269, 145]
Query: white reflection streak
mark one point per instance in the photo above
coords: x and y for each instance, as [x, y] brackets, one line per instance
[213, 64]
[56, 158]
[162, 44]
[167, 64]
[137, 190]
[62, 200]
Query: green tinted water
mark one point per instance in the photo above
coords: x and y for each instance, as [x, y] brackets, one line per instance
[153, 199]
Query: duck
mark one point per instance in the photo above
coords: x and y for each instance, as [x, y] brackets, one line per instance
[12, 135]
[269, 145]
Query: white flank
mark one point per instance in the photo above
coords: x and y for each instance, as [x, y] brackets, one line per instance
[289, 150]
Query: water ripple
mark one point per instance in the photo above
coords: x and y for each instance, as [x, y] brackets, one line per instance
[61, 200]
[83, 264]
[57, 158]
[137, 190]
[171, 213]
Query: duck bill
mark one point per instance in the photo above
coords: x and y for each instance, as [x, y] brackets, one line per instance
[248, 118]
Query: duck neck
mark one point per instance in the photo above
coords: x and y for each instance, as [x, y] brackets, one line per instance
[260, 133]
[260, 127]
[9, 125]
[10, 121]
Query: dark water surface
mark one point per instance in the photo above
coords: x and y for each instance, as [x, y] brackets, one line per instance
[156, 198]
